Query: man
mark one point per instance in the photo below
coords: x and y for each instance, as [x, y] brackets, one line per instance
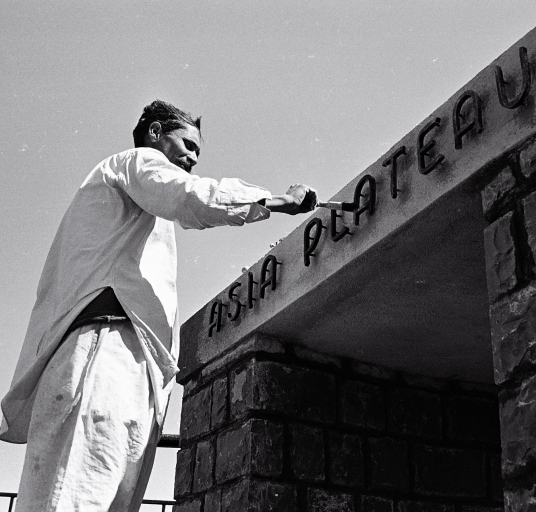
[98, 362]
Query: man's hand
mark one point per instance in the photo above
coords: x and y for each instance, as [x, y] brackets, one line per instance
[298, 199]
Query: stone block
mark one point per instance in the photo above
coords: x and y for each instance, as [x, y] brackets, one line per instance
[518, 431]
[421, 506]
[389, 464]
[500, 256]
[255, 447]
[513, 334]
[213, 501]
[267, 440]
[254, 496]
[449, 472]
[184, 472]
[520, 500]
[307, 459]
[195, 416]
[272, 497]
[236, 498]
[190, 506]
[529, 213]
[345, 466]
[233, 453]
[415, 412]
[376, 504]
[256, 343]
[219, 402]
[323, 501]
[289, 390]
[204, 464]
[362, 405]
[527, 161]
[499, 193]
[472, 419]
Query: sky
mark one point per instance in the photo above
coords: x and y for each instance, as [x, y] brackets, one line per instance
[289, 92]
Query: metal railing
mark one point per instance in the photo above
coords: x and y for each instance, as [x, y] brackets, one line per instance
[166, 441]
[13, 496]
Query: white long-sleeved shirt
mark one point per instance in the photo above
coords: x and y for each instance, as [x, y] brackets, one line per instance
[118, 232]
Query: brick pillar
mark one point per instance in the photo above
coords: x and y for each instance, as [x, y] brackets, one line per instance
[271, 427]
[509, 204]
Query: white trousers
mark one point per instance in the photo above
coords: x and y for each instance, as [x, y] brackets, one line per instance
[93, 434]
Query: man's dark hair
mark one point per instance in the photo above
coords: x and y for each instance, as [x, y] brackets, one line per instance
[169, 117]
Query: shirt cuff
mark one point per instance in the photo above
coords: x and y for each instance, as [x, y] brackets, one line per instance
[256, 213]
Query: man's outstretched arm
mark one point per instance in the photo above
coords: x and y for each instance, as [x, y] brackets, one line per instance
[297, 199]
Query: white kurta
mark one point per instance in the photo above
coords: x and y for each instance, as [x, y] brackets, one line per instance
[118, 232]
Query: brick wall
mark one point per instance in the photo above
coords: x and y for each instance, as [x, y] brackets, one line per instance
[509, 204]
[273, 427]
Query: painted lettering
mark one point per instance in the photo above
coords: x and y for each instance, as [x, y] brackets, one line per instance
[370, 203]
[392, 161]
[457, 116]
[423, 150]
[501, 83]
[234, 302]
[310, 242]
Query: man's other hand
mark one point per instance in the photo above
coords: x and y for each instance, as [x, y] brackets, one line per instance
[298, 199]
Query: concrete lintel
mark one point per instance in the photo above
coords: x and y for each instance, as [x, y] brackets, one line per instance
[407, 290]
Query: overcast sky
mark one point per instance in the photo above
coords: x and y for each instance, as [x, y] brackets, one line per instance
[289, 91]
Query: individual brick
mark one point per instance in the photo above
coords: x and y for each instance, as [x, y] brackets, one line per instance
[256, 343]
[195, 417]
[254, 496]
[500, 253]
[219, 402]
[190, 506]
[518, 417]
[233, 453]
[345, 465]
[290, 390]
[254, 447]
[415, 412]
[323, 501]
[184, 472]
[421, 506]
[204, 464]
[307, 458]
[236, 499]
[213, 501]
[496, 482]
[376, 504]
[449, 472]
[362, 405]
[389, 464]
[272, 497]
[513, 334]
[527, 161]
[529, 213]
[266, 448]
[499, 192]
[472, 419]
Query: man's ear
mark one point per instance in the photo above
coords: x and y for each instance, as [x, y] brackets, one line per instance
[155, 131]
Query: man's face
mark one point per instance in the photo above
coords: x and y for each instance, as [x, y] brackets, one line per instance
[181, 146]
